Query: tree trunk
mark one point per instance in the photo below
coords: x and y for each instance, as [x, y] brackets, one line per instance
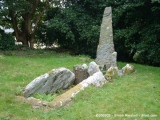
[22, 38]
[31, 41]
[24, 28]
[25, 42]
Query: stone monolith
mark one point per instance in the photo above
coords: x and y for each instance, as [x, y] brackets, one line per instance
[106, 55]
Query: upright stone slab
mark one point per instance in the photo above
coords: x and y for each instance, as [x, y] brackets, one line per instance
[80, 72]
[106, 55]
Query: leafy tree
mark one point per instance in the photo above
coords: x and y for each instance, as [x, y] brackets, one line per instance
[23, 16]
[156, 1]
[7, 41]
[136, 31]
[76, 26]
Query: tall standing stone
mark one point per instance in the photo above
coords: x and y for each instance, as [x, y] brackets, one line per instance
[106, 55]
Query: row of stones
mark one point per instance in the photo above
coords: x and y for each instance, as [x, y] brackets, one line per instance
[62, 78]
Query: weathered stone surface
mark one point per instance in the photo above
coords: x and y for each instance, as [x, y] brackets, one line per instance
[120, 73]
[50, 82]
[128, 69]
[106, 55]
[80, 72]
[113, 62]
[97, 79]
[36, 103]
[93, 68]
[111, 73]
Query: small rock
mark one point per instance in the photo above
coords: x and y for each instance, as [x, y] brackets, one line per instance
[35, 107]
[93, 68]
[128, 69]
[111, 73]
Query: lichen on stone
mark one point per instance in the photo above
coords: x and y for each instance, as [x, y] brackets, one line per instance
[51, 72]
[128, 69]
[111, 73]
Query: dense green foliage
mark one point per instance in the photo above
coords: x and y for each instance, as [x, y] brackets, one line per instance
[7, 42]
[75, 25]
[136, 28]
[23, 16]
[137, 32]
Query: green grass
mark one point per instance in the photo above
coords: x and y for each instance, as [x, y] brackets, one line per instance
[45, 97]
[138, 93]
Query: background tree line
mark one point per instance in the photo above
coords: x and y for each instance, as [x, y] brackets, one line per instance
[75, 25]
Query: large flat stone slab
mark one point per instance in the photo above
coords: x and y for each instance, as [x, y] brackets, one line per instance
[50, 82]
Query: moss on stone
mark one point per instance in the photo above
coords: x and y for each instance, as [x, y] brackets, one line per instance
[128, 69]
[51, 72]
[66, 97]
[111, 73]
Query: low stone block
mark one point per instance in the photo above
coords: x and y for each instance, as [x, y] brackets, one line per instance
[80, 72]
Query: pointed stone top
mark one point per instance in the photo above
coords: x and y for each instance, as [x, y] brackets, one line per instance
[106, 56]
[107, 11]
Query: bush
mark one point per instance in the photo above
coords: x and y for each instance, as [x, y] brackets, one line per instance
[7, 42]
[75, 28]
[135, 26]
[137, 33]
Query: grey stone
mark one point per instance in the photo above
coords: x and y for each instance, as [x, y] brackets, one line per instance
[80, 72]
[113, 62]
[106, 55]
[50, 82]
[35, 107]
[97, 79]
[111, 73]
[120, 73]
[93, 68]
[128, 69]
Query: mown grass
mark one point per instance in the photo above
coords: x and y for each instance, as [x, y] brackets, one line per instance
[137, 94]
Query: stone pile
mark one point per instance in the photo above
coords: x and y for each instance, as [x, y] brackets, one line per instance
[62, 78]
[95, 78]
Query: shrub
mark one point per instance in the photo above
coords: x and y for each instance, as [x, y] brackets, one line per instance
[7, 42]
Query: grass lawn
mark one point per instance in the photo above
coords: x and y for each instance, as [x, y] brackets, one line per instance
[136, 96]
